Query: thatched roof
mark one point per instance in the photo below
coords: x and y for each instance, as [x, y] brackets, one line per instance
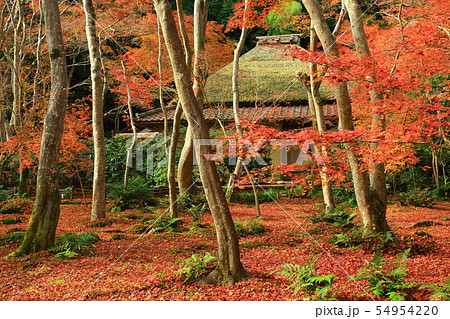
[265, 74]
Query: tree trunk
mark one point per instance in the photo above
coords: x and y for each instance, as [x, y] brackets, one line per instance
[16, 67]
[186, 161]
[41, 229]
[161, 92]
[377, 172]
[4, 126]
[98, 189]
[200, 64]
[130, 146]
[371, 208]
[229, 269]
[235, 86]
[320, 118]
[171, 171]
[171, 176]
[22, 190]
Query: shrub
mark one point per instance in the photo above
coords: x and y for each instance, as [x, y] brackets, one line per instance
[249, 226]
[70, 244]
[139, 229]
[303, 278]
[338, 217]
[66, 254]
[194, 204]
[3, 194]
[16, 206]
[137, 194]
[350, 239]
[118, 236]
[14, 237]
[11, 221]
[441, 292]
[263, 197]
[100, 223]
[380, 242]
[196, 266]
[162, 225]
[199, 228]
[345, 195]
[387, 282]
[417, 197]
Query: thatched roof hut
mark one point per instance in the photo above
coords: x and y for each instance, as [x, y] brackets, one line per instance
[266, 75]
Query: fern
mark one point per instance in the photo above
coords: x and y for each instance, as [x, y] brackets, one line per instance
[303, 279]
[195, 266]
[69, 243]
[387, 283]
[440, 291]
[162, 225]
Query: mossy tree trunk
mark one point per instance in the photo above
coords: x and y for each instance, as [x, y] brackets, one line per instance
[229, 269]
[41, 229]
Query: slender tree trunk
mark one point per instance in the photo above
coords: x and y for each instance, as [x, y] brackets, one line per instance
[83, 193]
[16, 70]
[171, 176]
[131, 146]
[41, 229]
[22, 190]
[16, 123]
[252, 181]
[4, 126]
[371, 207]
[377, 172]
[229, 269]
[327, 189]
[161, 92]
[98, 189]
[200, 70]
[236, 114]
[171, 171]
[186, 161]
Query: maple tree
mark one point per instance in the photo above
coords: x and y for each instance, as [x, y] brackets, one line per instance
[399, 94]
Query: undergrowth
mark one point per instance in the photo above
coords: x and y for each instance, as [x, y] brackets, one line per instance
[195, 266]
[137, 194]
[387, 280]
[70, 245]
[339, 217]
[249, 226]
[303, 278]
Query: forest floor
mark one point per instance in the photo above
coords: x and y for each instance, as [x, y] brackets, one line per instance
[124, 265]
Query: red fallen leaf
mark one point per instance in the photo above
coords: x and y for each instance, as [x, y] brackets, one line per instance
[146, 271]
